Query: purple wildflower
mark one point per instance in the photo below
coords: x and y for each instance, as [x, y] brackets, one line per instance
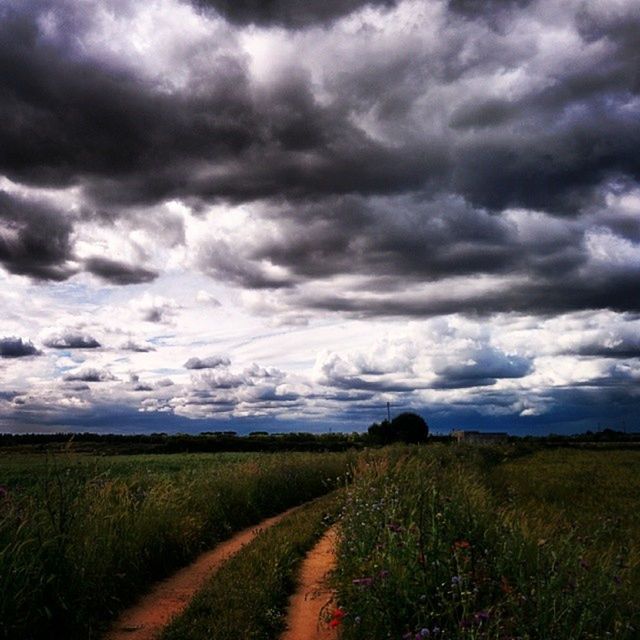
[362, 582]
[480, 617]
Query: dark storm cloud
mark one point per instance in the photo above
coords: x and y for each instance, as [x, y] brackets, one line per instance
[556, 172]
[34, 238]
[428, 121]
[71, 339]
[481, 367]
[117, 272]
[11, 347]
[288, 13]
[621, 351]
[70, 118]
[210, 362]
[619, 292]
[398, 243]
[620, 343]
[222, 261]
[412, 238]
[475, 8]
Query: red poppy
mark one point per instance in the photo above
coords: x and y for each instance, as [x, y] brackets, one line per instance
[336, 617]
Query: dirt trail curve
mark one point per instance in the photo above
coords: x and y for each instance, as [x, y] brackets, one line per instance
[146, 619]
[305, 613]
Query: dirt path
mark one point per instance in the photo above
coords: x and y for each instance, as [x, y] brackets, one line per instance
[146, 619]
[304, 617]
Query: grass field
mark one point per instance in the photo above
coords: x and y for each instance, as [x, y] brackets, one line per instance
[469, 543]
[80, 537]
[472, 543]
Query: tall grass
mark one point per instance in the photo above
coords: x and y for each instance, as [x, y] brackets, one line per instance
[431, 549]
[79, 547]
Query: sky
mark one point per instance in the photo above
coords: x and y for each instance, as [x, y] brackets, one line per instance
[250, 215]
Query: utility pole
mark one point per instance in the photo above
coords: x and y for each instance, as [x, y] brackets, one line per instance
[388, 412]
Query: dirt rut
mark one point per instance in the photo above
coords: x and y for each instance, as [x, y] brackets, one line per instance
[311, 602]
[146, 619]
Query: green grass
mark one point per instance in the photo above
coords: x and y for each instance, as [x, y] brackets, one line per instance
[564, 488]
[83, 540]
[449, 543]
[25, 472]
[247, 597]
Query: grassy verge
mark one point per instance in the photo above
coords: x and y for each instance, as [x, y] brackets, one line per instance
[431, 549]
[248, 596]
[78, 547]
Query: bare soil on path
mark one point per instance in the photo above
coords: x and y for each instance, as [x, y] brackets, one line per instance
[311, 602]
[153, 612]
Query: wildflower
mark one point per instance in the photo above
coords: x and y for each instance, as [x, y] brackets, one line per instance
[480, 617]
[584, 564]
[394, 527]
[461, 544]
[455, 580]
[424, 633]
[617, 580]
[336, 617]
[362, 582]
[383, 574]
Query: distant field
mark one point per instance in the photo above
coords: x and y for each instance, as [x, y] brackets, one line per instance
[475, 543]
[564, 489]
[20, 470]
[81, 536]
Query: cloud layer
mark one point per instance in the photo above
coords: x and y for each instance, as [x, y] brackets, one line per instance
[289, 164]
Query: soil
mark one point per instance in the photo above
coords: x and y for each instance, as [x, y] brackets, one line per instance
[146, 619]
[311, 604]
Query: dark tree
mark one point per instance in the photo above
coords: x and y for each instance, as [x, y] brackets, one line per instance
[407, 427]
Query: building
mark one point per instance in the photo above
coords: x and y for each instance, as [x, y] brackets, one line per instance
[480, 437]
